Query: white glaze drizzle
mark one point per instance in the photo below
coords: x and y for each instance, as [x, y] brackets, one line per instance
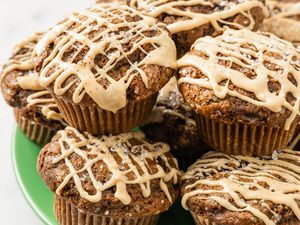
[103, 149]
[280, 23]
[192, 20]
[114, 96]
[281, 174]
[230, 45]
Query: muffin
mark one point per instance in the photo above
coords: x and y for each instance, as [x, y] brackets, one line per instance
[171, 121]
[223, 189]
[295, 143]
[104, 66]
[284, 20]
[243, 88]
[121, 179]
[35, 110]
[190, 20]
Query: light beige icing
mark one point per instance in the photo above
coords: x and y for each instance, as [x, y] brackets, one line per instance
[114, 96]
[192, 20]
[48, 106]
[230, 45]
[23, 62]
[104, 149]
[280, 174]
[280, 23]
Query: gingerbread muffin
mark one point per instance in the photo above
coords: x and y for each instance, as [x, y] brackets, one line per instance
[171, 121]
[223, 189]
[243, 88]
[190, 20]
[284, 20]
[35, 110]
[295, 143]
[104, 66]
[105, 180]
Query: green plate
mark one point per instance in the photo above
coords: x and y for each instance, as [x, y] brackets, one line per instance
[40, 199]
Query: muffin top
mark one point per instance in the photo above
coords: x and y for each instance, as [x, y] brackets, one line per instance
[122, 175]
[284, 20]
[183, 15]
[20, 85]
[170, 103]
[243, 76]
[106, 55]
[244, 190]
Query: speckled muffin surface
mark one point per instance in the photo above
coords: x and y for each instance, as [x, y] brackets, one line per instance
[223, 189]
[189, 20]
[35, 110]
[246, 84]
[284, 20]
[102, 60]
[172, 122]
[116, 176]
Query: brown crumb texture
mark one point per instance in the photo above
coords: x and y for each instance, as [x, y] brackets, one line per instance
[185, 39]
[157, 75]
[233, 109]
[176, 127]
[212, 168]
[53, 175]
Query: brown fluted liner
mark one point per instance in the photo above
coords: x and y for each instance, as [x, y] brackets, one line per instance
[68, 214]
[201, 220]
[98, 121]
[240, 139]
[33, 130]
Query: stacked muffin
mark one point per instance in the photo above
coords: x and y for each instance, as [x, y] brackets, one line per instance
[114, 67]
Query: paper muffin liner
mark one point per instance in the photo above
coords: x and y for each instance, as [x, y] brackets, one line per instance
[240, 139]
[202, 220]
[98, 121]
[36, 132]
[68, 214]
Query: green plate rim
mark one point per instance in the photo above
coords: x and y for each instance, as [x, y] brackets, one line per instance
[20, 182]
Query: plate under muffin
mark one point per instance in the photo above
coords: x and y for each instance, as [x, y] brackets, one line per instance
[40, 198]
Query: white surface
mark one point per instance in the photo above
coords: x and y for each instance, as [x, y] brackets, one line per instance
[19, 18]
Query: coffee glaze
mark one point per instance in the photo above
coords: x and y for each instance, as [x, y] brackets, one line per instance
[284, 20]
[26, 79]
[234, 181]
[118, 31]
[106, 149]
[248, 50]
[191, 20]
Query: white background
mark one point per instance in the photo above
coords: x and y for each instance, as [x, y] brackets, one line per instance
[19, 18]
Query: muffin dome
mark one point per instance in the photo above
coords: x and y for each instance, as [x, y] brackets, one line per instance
[242, 76]
[243, 88]
[190, 20]
[35, 110]
[223, 189]
[119, 176]
[284, 20]
[102, 60]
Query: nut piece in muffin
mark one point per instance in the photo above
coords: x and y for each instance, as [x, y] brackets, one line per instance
[122, 179]
[244, 89]
[223, 189]
[35, 110]
[171, 121]
[105, 65]
[190, 20]
[284, 20]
